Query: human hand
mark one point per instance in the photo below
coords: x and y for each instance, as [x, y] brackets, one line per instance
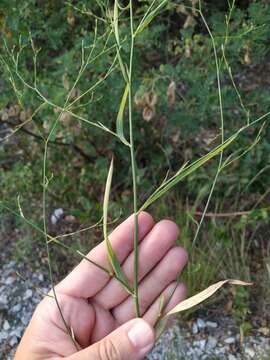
[97, 308]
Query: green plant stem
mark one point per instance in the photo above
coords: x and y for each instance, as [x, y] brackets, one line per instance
[134, 171]
[45, 184]
[219, 169]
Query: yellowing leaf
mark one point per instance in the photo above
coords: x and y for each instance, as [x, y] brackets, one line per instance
[193, 301]
[203, 295]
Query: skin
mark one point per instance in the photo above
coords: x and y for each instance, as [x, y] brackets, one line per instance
[94, 305]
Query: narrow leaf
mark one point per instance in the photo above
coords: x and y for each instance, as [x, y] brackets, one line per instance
[160, 326]
[115, 22]
[203, 295]
[185, 171]
[119, 120]
[150, 17]
[111, 255]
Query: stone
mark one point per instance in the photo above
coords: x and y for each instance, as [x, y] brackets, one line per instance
[25, 320]
[194, 328]
[211, 324]
[3, 299]
[13, 341]
[230, 340]
[3, 336]
[17, 332]
[41, 277]
[6, 325]
[200, 323]
[264, 330]
[231, 357]
[28, 294]
[250, 352]
[16, 308]
[211, 343]
[57, 214]
[202, 344]
[10, 280]
[3, 306]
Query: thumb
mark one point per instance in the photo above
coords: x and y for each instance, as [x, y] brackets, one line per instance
[131, 341]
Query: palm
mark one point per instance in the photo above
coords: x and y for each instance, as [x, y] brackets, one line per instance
[93, 305]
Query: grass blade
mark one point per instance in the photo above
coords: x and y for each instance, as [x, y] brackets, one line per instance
[185, 171]
[149, 18]
[111, 255]
[119, 120]
[115, 22]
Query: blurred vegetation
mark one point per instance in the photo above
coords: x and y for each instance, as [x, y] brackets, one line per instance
[176, 119]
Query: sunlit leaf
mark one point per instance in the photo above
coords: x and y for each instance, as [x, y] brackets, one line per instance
[185, 171]
[111, 255]
[119, 120]
[203, 295]
[115, 22]
[193, 301]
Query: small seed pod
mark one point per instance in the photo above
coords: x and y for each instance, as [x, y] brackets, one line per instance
[65, 117]
[171, 93]
[70, 18]
[75, 93]
[139, 100]
[150, 98]
[4, 115]
[65, 82]
[148, 113]
[13, 111]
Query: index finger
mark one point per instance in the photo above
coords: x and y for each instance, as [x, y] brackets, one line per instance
[86, 280]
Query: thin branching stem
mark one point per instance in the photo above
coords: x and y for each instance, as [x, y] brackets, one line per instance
[134, 168]
[221, 128]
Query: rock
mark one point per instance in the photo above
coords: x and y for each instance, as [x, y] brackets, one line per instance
[211, 324]
[265, 331]
[4, 116]
[16, 308]
[25, 320]
[13, 341]
[200, 344]
[250, 352]
[3, 336]
[10, 280]
[211, 343]
[56, 216]
[17, 332]
[6, 325]
[41, 277]
[3, 306]
[28, 294]
[231, 357]
[200, 323]
[194, 328]
[230, 340]
[3, 299]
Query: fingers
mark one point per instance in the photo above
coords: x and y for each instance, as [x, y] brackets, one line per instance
[131, 341]
[154, 283]
[179, 294]
[86, 279]
[104, 323]
[151, 250]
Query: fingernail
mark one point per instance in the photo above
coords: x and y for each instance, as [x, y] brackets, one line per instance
[142, 336]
